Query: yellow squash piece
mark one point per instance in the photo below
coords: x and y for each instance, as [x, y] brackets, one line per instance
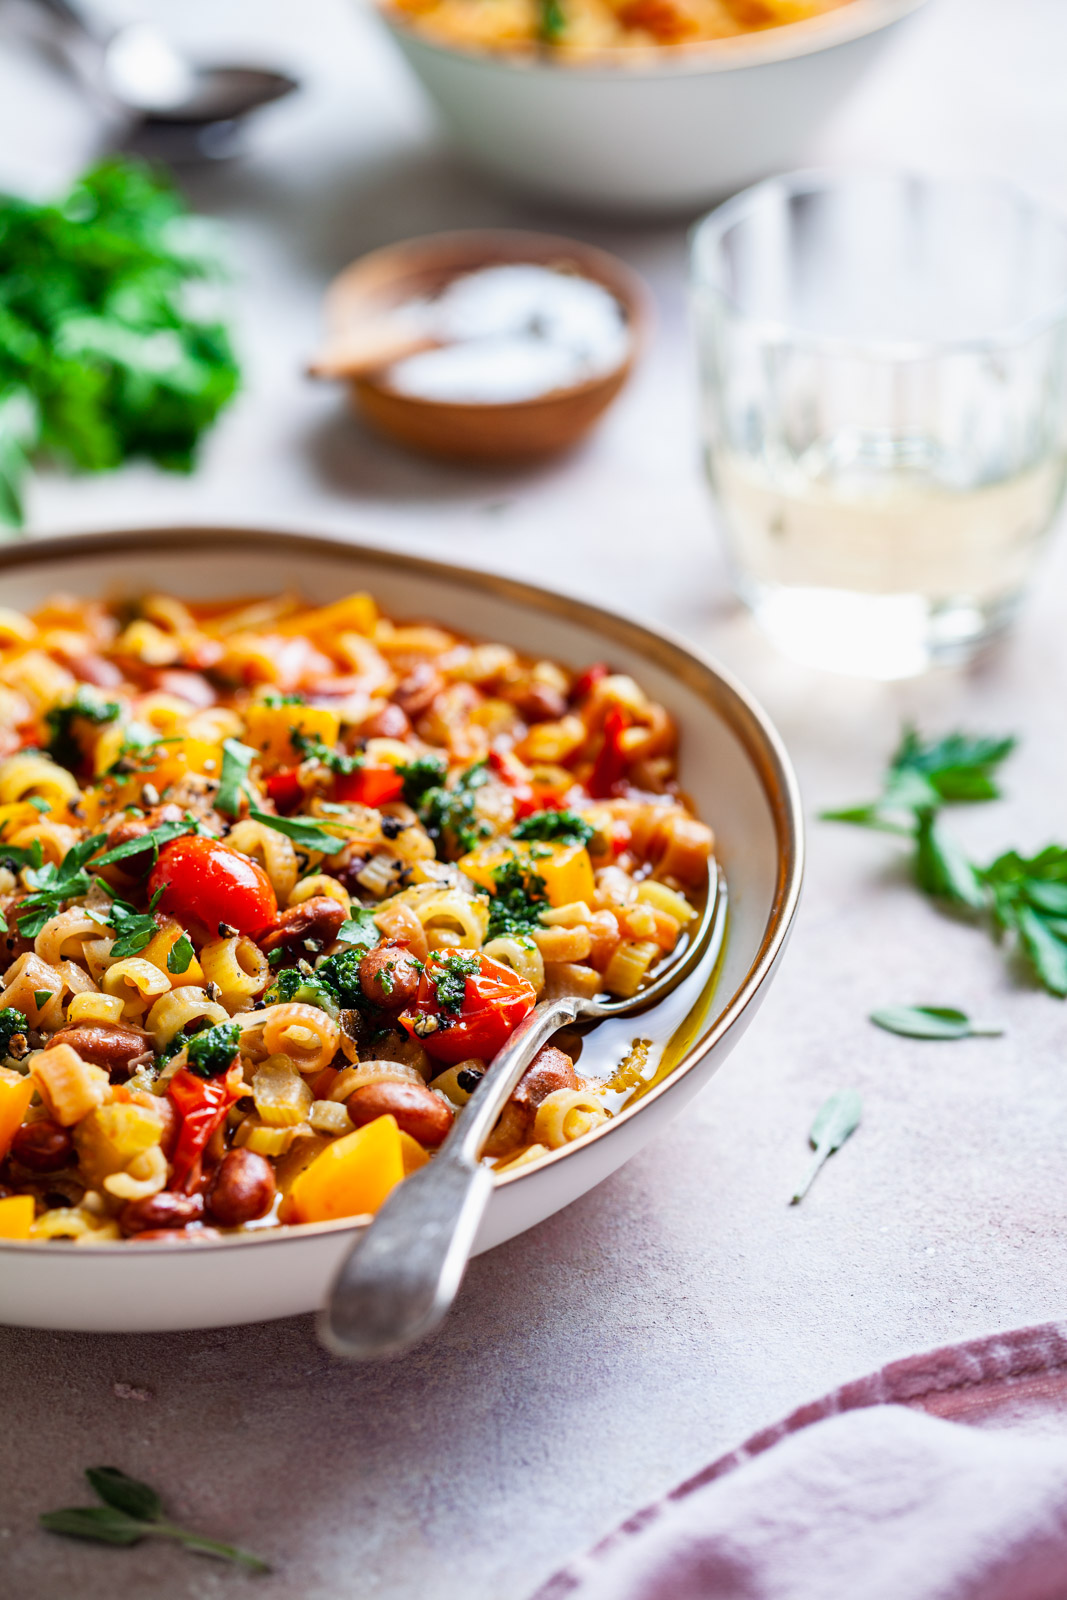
[352, 1176]
[15, 1096]
[16, 1216]
[566, 868]
[412, 1154]
[269, 730]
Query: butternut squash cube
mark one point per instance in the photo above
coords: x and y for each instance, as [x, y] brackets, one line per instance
[16, 1093]
[269, 730]
[16, 1216]
[352, 1176]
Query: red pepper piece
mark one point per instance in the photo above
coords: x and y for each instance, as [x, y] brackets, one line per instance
[610, 766]
[369, 786]
[286, 790]
[589, 679]
[201, 1103]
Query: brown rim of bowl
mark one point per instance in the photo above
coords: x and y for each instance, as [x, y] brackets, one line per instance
[719, 689]
[458, 250]
[760, 47]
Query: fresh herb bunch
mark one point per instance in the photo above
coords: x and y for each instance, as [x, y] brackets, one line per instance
[561, 827]
[1024, 895]
[101, 357]
[86, 706]
[212, 1050]
[131, 1512]
[520, 897]
[51, 886]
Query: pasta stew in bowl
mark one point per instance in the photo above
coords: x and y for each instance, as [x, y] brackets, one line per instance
[281, 874]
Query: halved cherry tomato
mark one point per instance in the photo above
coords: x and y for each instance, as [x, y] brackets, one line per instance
[204, 879]
[201, 1103]
[495, 1000]
[369, 786]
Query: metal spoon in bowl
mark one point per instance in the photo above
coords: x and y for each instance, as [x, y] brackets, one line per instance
[176, 110]
[405, 1269]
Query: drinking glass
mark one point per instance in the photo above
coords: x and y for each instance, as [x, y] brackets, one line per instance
[884, 377]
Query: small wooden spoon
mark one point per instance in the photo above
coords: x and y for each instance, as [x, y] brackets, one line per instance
[366, 333]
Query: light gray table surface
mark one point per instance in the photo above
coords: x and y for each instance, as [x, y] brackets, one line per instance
[629, 1340]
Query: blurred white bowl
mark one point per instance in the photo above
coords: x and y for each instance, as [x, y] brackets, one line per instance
[659, 134]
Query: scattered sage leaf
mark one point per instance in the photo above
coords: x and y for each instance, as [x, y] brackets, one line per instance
[125, 1493]
[102, 1523]
[932, 1022]
[836, 1120]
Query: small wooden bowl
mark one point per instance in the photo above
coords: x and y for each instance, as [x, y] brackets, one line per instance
[494, 431]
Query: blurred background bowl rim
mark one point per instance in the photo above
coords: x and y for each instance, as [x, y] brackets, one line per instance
[748, 721]
[790, 41]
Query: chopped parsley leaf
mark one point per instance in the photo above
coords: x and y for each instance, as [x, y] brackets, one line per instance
[212, 1051]
[449, 976]
[563, 827]
[86, 706]
[518, 900]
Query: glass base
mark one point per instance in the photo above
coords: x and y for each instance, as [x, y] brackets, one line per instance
[873, 635]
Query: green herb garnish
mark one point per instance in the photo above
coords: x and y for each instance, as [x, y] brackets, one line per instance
[1024, 895]
[86, 706]
[553, 22]
[449, 814]
[563, 827]
[923, 777]
[307, 989]
[449, 977]
[212, 1051]
[518, 901]
[132, 1512]
[101, 357]
[13, 1025]
[932, 1022]
[233, 780]
[837, 1120]
[302, 831]
[274, 697]
[15, 857]
[153, 840]
[179, 955]
[314, 750]
[360, 929]
[340, 974]
[420, 776]
[52, 885]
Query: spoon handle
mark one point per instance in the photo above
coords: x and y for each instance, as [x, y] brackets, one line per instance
[405, 1269]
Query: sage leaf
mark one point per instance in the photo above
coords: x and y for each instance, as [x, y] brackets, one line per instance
[836, 1120]
[95, 1522]
[124, 1493]
[932, 1022]
[303, 832]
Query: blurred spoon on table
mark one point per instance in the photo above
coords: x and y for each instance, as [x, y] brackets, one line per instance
[175, 109]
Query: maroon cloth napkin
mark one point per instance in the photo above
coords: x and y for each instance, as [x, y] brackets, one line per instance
[861, 1496]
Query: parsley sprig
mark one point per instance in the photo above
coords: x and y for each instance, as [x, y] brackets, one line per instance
[1021, 895]
[52, 885]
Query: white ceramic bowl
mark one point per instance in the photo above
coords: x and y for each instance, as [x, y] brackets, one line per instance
[733, 764]
[665, 135]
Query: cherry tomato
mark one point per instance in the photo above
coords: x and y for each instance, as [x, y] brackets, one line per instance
[494, 1002]
[369, 786]
[204, 879]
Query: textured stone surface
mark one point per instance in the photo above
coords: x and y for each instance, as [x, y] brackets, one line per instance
[669, 1314]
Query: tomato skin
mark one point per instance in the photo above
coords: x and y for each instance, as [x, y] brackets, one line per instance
[201, 1103]
[204, 880]
[495, 1000]
[369, 786]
